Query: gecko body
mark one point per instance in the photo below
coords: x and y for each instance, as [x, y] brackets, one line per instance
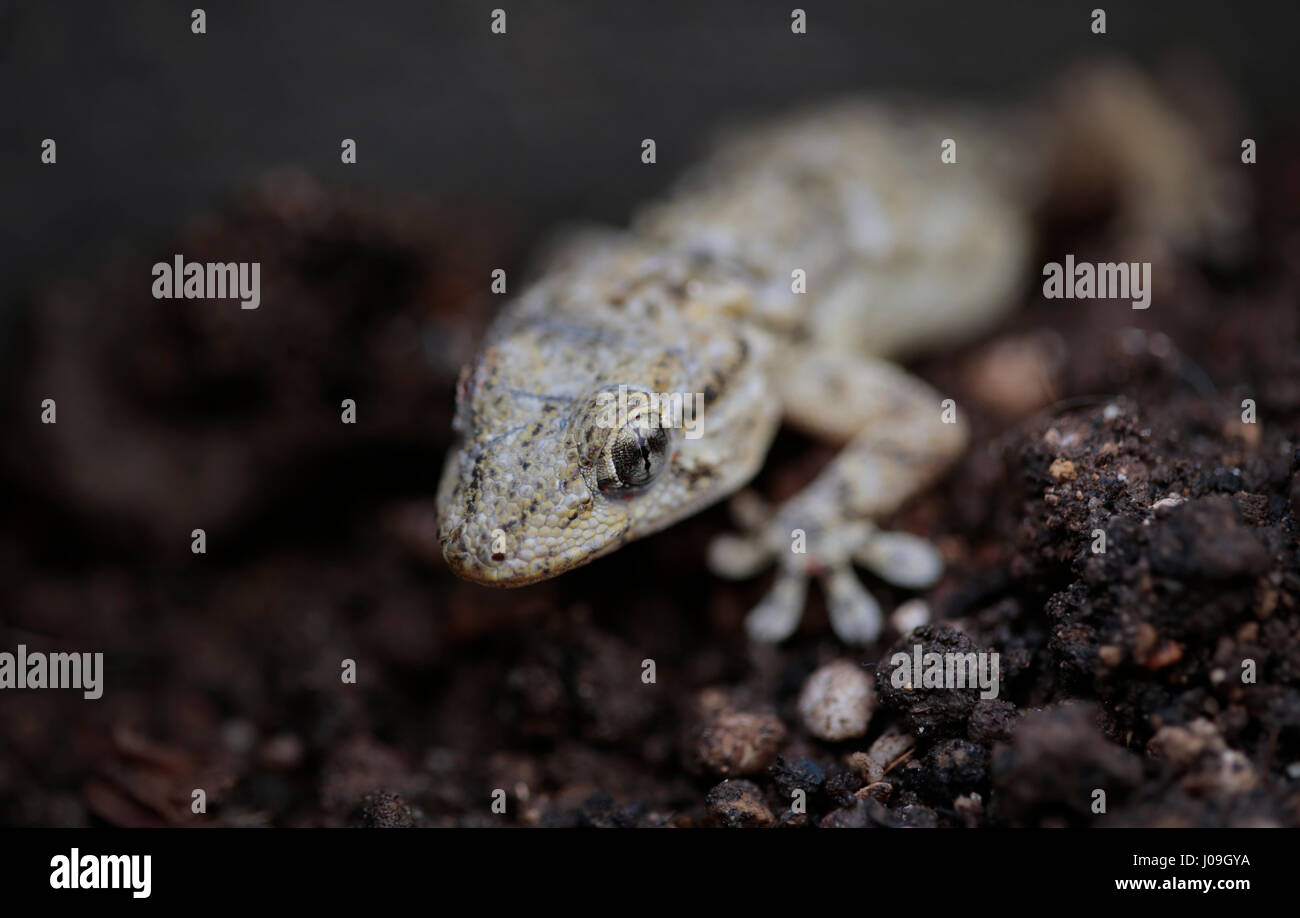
[776, 281]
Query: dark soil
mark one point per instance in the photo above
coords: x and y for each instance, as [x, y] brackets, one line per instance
[1122, 670]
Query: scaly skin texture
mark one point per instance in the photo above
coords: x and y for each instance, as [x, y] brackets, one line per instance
[528, 465]
[896, 251]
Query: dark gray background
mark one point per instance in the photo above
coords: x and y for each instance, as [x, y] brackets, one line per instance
[154, 123]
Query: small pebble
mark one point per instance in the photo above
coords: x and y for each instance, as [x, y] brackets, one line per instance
[837, 701]
[731, 742]
[1063, 470]
[739, 805]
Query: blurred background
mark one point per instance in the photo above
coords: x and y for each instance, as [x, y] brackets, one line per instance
[154, 123]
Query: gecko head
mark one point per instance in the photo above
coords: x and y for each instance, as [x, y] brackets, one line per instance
[533, 500]
[541, 483]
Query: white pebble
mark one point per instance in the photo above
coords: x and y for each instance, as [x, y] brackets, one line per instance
[837, 701]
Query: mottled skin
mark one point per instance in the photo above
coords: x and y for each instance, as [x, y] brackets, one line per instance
[898, 251]
[527, 465]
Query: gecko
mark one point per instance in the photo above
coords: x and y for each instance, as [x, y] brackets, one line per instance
[780, 281]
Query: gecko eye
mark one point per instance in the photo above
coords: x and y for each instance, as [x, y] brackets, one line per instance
[637, 454]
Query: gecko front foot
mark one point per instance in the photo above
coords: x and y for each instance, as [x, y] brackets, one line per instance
[826, 551]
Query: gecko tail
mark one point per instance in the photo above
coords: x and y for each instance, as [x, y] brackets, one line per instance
[1118, 135]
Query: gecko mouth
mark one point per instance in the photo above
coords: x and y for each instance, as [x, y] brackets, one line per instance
[479, 562]
[496, 573]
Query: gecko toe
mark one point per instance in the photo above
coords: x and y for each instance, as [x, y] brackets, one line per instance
[737, 557]
[854, 613]
[901, 558]
[777, 616]
[749, 511]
